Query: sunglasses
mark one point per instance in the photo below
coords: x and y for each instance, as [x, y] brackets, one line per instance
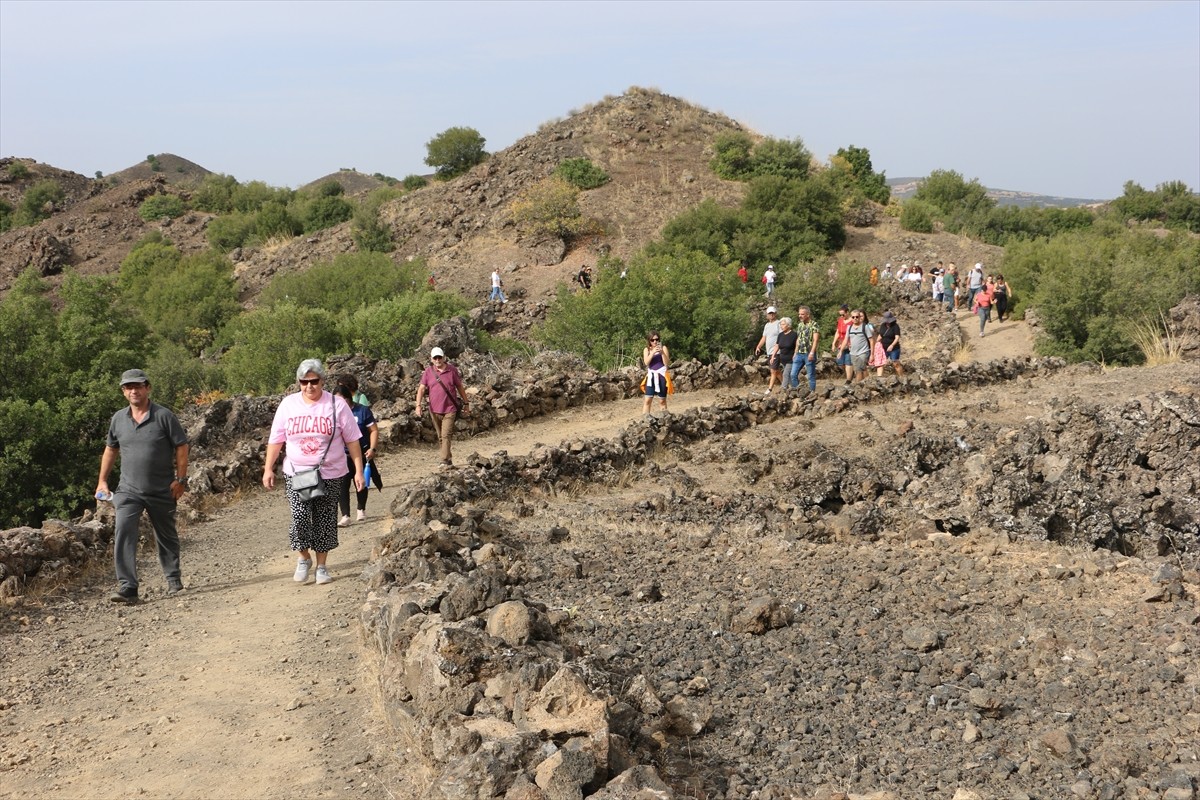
[310, 381]
[655, 339]
[438, 358]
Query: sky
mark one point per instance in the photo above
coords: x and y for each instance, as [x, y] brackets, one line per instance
[1070, 99]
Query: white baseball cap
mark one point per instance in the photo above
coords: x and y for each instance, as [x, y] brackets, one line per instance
[437, 351]
[771, 310]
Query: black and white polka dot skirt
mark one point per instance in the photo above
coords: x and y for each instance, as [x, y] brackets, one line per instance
[314, 522]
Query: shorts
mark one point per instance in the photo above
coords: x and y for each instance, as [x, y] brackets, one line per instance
[859, 362]
[661, 391]
[893, 355]
[843, 359]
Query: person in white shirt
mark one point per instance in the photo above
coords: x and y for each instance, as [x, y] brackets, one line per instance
[497, 291]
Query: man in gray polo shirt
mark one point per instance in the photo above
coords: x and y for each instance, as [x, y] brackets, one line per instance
[154, 462]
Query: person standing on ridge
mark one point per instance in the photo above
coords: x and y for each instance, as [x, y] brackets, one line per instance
[497, 290]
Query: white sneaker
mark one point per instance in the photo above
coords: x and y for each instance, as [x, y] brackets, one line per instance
[302, 570]
[343, 522]
[362, 515]
[323, 575]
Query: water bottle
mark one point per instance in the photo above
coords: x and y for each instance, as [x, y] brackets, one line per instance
[367, 476]
[104, 497]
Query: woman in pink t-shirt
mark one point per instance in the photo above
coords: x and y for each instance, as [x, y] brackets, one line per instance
[318, 428]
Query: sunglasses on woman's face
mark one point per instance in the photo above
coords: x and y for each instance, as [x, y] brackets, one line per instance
[654, 340]
[309, 381]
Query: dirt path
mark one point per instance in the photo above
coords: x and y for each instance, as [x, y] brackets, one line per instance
[247, 685]
[1008, 339]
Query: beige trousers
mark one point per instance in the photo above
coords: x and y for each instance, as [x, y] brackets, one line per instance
[444, 425]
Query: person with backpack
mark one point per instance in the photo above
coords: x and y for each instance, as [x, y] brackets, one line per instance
[974, 284]
[858, 343]
[889, 340]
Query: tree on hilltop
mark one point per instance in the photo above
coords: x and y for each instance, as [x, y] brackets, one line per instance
[454, 151]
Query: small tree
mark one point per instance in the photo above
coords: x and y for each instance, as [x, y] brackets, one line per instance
[161, 206]
[917, 216]
[414, 182]
[454, 151]
[581, 172]
[39, 202]
[550, 207]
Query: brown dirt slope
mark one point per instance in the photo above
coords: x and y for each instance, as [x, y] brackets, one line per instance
[175, 170]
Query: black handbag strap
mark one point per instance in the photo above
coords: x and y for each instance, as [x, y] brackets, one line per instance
[453, 399]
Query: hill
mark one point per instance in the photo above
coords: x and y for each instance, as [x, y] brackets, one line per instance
[352, 182]
[17, 175]
[173, 169]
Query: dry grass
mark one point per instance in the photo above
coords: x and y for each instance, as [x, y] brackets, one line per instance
[1158, 343]
[963, 354]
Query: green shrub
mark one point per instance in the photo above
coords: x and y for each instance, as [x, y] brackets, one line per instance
[454, 151]
[550, 207]
[917, 216]
[18, 170]
[414, 182]
[231, 231]
[274, 219]
[7, 217]
[267, 344]
[215, 194]
[256, 195]
[350, 281]
[330, 188]
[1171, 204]
[961, 205]
[180, 377]
[861, 174]
[824, 287]
[690, 299]
[739, 158]
[39, 202]
[392, 328]
[1088, 285]
[327, 211]
[371, 234]
[161, 206]
[581, 173]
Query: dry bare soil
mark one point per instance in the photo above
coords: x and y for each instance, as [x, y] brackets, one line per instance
[249, 685]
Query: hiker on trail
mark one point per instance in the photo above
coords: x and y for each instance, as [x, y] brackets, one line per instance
[983, 306]
[585, 278]
[447, 398]
[368, 428]
[656, 358]
[874, 279]
[950, 286]
[1000, 298]
[318, 428]
[766, 343]
[858, 342]
[497, 290]
[889, 338]
[769, 279]
[744, 274]
[935, 280]
[783, 352]
[153, 449]
[839, 338]
[808, 334]
[887, 272]
[974, 284]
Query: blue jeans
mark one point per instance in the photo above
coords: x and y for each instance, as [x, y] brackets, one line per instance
[802, 361]
[497, 294]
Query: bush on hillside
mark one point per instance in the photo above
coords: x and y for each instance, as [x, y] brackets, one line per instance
[161, 206]
[392, 328]
[581, 173]
[39, 202]
[267, 344]
[413, 182]
[860, 174]
[215, 194]
[960, 204]
[371, 233]
[1171, 204]
[917, 216]
[350, 281]
[1087, 285]
[550, 208]
[690, 299]
[7, 218]
[327, 211]
[739, 158]
[454, 151]
[230, 231]
[274, 220]
[18, 170]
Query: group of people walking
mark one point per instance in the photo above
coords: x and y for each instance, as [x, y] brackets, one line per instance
[328, 440]
[792, 348]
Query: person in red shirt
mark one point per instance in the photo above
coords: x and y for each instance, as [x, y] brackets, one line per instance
[839, 339]
[447, 398]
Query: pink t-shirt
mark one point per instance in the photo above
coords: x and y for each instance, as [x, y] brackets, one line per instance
[306, 430]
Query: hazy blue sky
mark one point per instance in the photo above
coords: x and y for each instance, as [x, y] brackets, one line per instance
[1060, 98]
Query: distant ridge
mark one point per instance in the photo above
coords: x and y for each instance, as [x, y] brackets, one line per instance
[352, 181]
[904, 188]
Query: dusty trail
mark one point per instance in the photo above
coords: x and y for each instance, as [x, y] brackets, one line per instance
[247, 685]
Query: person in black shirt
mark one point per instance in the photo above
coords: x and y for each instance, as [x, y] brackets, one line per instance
[889, 336]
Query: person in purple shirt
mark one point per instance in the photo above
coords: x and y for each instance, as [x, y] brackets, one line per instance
[447, 398]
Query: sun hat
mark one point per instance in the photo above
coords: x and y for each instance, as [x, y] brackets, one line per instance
[889, 316]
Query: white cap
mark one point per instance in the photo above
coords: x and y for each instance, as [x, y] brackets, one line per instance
[437, 351]
[771, 310]
[978, 266]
